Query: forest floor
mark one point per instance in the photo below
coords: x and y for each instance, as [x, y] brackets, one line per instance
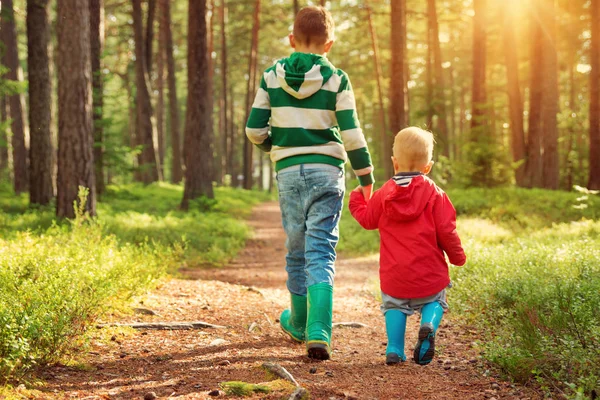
[248, 293]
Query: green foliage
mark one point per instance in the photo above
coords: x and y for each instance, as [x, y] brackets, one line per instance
[56, 278]
[531, 282]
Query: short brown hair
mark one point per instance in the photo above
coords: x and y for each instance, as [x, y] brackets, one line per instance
[413, 147]
[313, 25]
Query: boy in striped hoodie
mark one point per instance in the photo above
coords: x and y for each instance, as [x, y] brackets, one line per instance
[313, 129]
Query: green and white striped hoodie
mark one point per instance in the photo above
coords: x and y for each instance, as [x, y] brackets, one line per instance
[313, 116]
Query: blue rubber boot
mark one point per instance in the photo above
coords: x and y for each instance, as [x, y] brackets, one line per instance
[318, 321]
[293, 319]
[395, 328]
[431, 316]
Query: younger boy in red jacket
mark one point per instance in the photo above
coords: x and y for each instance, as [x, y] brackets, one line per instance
[417, 224]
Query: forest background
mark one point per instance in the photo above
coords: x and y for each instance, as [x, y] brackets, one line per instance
[115, 95]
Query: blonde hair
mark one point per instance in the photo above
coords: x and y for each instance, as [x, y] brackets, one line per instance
[413, 148]
[313, 25]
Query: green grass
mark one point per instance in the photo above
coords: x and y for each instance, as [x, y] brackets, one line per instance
[57, 277]
[531, 283]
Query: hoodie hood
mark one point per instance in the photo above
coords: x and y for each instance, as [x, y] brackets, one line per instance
[302, 74]
[408, 197]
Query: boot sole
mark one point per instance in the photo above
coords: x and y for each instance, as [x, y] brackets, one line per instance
[392, 359]
[426, 334]
[318, 351]
[295, 339]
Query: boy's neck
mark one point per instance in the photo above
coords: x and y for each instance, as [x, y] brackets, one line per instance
[318, 50]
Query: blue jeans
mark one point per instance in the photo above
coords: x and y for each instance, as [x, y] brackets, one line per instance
[311, 197]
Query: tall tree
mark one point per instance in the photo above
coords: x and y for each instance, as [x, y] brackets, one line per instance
[398, 117]
[149, 38]
[252, 67]
[41, 190]
[224, 123]
[198, 123]
[176, 145]
[11, 58]
[533, 163]
[75, 125]
[160, 101]
[514, 93]
[296, 7]
[385, 142]
[147, 158]
[97, 47]
[551, 97]
[3, 138]
[439, 97]
[594, 176]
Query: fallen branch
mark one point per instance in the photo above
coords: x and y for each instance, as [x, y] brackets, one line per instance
[350, 324]
[165, 325]
[280, 372]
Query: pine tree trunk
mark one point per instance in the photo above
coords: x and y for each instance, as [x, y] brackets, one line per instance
[224, 123]
[439, 96]
[296, 7]
[176, 144]
[252, 59]
[75, 125]
[11, 61]
[147, 158]
[160, 101]
[550, 108]
[533, 163]
[514, 97]
[386, 136]
[429, 82]
[97, 45]
[231, 159]
[198, 123]
[3, 138]
[41, 190]
[149, 37]
[398, 114]
[594, 176]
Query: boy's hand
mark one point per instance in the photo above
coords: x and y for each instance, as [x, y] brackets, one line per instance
[359, 190]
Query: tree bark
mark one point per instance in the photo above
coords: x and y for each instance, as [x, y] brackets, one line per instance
[514, 97]
[11, 58]
[148, 170]
[550, 108]
[296, 7]
[176, 144]
[398, 114]
[533, 164]
[594, 173]
[198, 123]
[224, 123]
[75, 125]
[3, 138]
[97, 47]
[160, 101]
[439, 96]
[149, 38]
[41, 190]
[252, 59]
[385, 135]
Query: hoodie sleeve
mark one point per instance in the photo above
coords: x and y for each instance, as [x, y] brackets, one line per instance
[366, 214]
[444, 215]
[352, 135]
[257, 128]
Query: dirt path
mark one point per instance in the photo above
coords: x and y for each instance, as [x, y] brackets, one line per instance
[251, 292]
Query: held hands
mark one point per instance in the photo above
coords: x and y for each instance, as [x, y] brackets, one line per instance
[366, 191]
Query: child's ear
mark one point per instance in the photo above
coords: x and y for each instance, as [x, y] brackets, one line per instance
[292, 40]
[395, 163]
[427, 168]
[328, 46]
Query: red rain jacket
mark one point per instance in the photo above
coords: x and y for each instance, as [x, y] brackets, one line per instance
[417, 224]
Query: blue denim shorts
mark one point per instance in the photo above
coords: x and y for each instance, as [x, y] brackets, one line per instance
[311, 198]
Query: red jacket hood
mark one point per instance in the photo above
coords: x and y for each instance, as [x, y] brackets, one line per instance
[406, 203]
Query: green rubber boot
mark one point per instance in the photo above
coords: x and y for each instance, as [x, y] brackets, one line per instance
[293, 319]
[318, 323]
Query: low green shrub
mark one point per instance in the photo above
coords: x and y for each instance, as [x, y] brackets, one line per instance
[57, 277]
